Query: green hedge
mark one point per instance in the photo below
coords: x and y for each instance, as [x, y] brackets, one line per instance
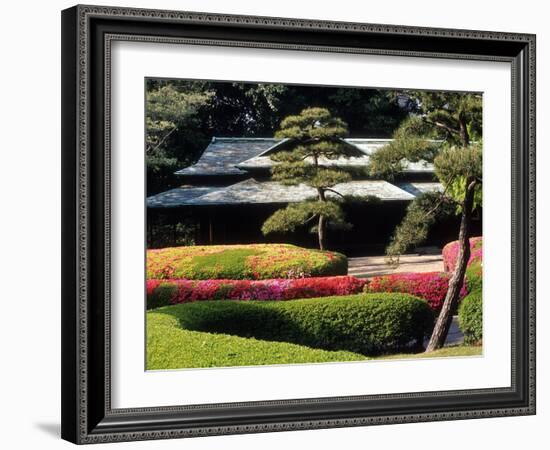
[470, 317]
[243, 262]
[474, 276]
[369, 324]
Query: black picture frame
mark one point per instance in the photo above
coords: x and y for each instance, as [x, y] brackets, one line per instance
[87, 33]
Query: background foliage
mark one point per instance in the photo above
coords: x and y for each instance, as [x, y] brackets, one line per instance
[199, 110]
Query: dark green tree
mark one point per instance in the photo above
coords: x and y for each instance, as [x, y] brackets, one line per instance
[170, 114]
[314, 140]
[167, 111]
[446, 130]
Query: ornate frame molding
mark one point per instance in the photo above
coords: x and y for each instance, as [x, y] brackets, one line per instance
[85, 421]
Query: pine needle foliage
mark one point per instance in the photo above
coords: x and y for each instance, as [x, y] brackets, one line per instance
[315, 138]
[444, 129]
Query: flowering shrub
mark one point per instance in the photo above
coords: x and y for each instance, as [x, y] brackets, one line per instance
[431, 286]
[165, 292]
[238, 262]
[450, 253]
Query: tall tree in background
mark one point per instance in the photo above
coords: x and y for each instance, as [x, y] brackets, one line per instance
[169, 113]
[184, 115]
[169, 110]
[446, 130]
[315, 138]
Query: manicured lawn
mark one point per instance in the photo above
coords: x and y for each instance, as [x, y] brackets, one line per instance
[455, 350]
[243, 262]
[171, 347]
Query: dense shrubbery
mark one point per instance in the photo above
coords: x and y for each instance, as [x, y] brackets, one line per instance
[470, 317]
[239, 262]
[474, 276]
[431, 286]
[366, 323]
[166, 292]
[450, 253]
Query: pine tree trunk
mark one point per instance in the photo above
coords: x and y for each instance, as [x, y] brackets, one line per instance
[464, 136]
[321, 232]
[321, 226]
[444, 320]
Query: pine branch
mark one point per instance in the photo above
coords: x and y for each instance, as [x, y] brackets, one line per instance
[335, 192]
[443, 126]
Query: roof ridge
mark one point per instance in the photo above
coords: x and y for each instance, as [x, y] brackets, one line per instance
[243, 138]
[253, 138]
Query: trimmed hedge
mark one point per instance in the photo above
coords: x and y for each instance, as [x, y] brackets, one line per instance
[474, 276]
[470, 318]
[170, 292]
[239, 262]
[470, 312]
[450, 253]
[369, 324]
[431, 286]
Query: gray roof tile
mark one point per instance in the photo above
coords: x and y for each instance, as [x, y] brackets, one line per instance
[252, 191]
[366, 146]
[223, 154]
[179, 196]
[417, 188]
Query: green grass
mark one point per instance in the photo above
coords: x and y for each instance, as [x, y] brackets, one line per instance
[454, 350]
[171, 347]
[230, 264]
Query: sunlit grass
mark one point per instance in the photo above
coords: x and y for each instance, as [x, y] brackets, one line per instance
[171, 347]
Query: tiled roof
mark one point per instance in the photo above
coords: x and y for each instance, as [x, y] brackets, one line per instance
[179, 196]
[252, 191]
[235, 156]
[417, 188]
[223, 154]
[366, 147]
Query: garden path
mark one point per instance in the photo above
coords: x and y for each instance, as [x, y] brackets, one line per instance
[370, 266]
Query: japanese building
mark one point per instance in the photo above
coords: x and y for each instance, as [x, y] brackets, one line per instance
[227, 195]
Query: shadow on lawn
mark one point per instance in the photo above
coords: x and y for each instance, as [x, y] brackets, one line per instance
[327, 325]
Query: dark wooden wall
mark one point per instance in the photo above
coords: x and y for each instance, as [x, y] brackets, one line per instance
[372, 227]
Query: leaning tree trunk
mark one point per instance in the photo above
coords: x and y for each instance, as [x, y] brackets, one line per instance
[445, 318]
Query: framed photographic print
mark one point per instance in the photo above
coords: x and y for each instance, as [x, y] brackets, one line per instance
[279, 224]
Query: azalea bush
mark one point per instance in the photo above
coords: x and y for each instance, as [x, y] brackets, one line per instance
[368, 324]
[166, 292]
[241, 262]
[431, 286]
[450, 253]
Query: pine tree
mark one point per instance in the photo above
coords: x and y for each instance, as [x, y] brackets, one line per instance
[315, 138]
[446, 130]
